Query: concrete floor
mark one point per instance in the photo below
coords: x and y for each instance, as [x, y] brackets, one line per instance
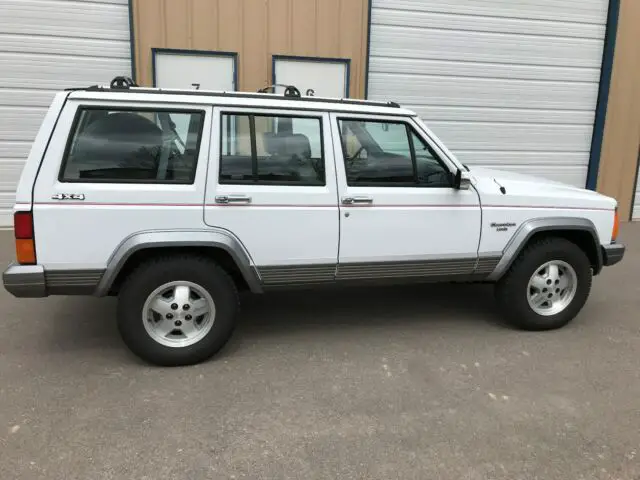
[408, 383]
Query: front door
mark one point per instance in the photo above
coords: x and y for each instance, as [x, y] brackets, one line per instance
[271, 183]
[399, 214]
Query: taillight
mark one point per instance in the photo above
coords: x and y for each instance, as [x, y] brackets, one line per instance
[616, 226]
[25, 241]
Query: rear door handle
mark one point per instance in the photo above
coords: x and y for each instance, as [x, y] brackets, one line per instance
[233, 199]
[356, 200]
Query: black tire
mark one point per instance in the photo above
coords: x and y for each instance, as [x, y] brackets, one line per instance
[512, 288]
[151, 275]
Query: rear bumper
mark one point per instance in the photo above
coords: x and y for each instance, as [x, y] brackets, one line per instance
[33, 281]
[25, 281]
[612, 254]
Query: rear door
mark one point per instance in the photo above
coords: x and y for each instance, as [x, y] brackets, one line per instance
[271, 182]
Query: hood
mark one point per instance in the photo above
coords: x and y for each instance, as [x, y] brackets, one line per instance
[529, 190]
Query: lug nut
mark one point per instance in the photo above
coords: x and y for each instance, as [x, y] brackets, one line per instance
[169, 316]
[177, 323]
[174, 306]
[186, 306]
[187, 317]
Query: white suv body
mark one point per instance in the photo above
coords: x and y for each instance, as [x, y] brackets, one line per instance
[273, 191]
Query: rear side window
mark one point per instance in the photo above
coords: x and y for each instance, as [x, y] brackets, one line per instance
[133, 146]
[271, 150]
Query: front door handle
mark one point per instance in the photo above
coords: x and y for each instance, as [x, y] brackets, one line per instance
[356, 200]
[233, 199]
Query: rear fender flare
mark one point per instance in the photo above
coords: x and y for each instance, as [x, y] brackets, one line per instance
[213, 237]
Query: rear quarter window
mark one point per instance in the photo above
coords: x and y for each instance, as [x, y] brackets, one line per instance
[133, 146]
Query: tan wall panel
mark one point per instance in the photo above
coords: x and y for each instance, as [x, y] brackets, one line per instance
[619, 156]
[256, 30]
[177, 22]
[229, 26]
[253, 61]
[303, 27]
[328, 30]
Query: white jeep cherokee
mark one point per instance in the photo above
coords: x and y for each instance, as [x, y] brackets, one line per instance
[176, 200]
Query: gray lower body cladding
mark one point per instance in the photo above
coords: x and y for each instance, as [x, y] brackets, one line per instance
[441, 269]
[35, 281]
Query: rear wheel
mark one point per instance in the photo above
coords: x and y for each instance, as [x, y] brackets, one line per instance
[547, 285]
[177, 310]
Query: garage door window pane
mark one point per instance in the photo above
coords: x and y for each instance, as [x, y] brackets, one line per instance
[133, 146]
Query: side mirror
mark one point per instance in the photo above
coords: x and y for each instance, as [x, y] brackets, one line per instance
[462, 180]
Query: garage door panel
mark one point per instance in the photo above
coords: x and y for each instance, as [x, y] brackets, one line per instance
[20, 123]
[16, 97]
[56, 72]
[99, 19]
[482, 92]
[432, 113]
[14, 149]
[48, 44]
[430, 43]
[592, 11]
[452, 21]
[504, 136]
[417, 66]
[524, 159]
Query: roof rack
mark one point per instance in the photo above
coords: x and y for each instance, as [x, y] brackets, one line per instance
[126, 84]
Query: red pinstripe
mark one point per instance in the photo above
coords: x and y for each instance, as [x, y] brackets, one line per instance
[282, 205]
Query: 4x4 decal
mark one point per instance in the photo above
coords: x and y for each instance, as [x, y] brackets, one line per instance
[68, 196]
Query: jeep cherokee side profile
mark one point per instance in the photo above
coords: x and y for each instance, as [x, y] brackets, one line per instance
[176, 200]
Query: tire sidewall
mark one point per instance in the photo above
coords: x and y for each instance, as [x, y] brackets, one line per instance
[146, 279]
[557, 249]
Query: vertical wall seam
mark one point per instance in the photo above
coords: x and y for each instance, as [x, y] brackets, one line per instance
[635, 186]
[366, 60]
[603, 93]
[189, 9]
[217, 23]
[132, 40]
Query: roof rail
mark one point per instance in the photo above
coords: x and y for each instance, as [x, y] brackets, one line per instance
[126, 84]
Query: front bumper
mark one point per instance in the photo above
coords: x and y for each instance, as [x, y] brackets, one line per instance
[612, 254]
[25, 281]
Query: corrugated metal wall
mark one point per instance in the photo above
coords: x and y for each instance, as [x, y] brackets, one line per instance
[256, 30]
[504, 83]
[45, 46]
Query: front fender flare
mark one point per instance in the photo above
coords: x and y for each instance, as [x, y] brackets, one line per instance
[536, 225]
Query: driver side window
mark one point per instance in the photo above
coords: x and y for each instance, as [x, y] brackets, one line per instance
[383, 153]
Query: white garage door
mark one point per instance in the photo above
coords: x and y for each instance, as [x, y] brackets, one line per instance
[194, 70]
[326, 77]
[507, 84]
[45, 46]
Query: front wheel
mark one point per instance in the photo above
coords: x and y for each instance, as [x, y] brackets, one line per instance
[547, 285]
[177, 310]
